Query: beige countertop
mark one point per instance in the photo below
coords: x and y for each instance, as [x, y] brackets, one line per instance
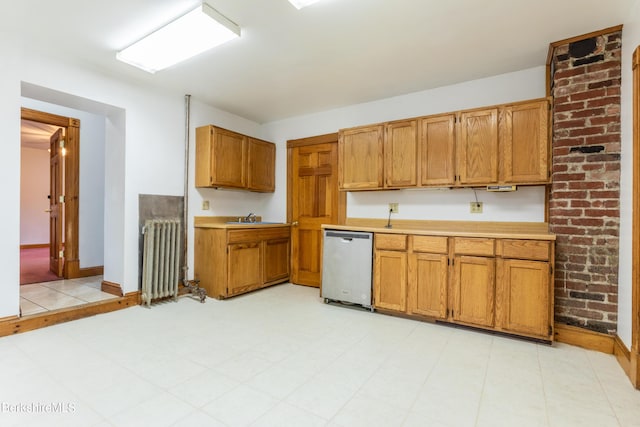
[498, 230]
[223, 222]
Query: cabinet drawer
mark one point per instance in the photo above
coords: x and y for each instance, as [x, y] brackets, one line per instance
[474, 246]
[394, 242]
[257, 234]
[524, 249]
[431, 244]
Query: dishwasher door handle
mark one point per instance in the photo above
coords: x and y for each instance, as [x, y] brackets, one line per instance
[346, 239]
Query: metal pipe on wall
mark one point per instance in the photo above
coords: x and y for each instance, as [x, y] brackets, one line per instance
[190, 285]
[185, 217]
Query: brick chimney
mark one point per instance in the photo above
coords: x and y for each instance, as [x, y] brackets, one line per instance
[584, 209]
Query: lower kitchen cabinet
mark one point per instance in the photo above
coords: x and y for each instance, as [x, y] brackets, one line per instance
[497, 284]
[230, 262]
[390, 272]
[244, 267]
[428, 276]
[524, 295]
[474, 290]
[277, 253]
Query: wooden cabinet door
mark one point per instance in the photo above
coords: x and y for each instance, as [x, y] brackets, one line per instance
[261, 166]
[244, 267]
[525, 143]
[390, 280]
[474, 290]
[204, 140]
[228, 159]
[276, 260]
[360, 160]
[523, 299]
[401, 154]
[428, 279]
[478, 147]
[437, 150]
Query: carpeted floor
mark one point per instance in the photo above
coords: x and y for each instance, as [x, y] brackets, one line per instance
[34, 266]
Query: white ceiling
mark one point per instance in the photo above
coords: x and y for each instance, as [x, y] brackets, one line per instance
[292, 62]
[36, 135]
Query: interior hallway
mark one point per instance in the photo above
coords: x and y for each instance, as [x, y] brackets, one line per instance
[280, 357]
[34, 266]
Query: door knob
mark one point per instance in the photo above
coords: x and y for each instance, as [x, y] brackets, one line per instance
[294, 223]
[47, 210]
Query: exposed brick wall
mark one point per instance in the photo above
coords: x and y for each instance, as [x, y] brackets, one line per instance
[585, 197]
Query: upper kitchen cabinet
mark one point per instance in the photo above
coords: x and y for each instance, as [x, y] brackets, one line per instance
[221, 158]
[261, 166]
[478, 147]
[506, 144]
[524, 135]
[437, 150]
[231, 160]
[360, 159]
[401, 154]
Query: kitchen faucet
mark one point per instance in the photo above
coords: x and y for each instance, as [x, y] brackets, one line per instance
[250, 218]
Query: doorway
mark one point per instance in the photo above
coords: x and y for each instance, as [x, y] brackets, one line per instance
[36, 212]
[64, 165]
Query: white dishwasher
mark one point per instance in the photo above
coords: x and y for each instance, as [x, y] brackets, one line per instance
[347, 260]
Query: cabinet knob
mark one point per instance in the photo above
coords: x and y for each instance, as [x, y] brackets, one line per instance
[294, 223]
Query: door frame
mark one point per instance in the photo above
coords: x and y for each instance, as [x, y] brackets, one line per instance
[634, 371]
[71, 189]
[330, 138]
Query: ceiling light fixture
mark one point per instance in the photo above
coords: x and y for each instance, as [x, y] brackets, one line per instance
[299, 4]
[193, 33]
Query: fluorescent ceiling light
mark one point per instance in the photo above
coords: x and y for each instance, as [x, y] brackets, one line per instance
[191, 34]
[299, 4]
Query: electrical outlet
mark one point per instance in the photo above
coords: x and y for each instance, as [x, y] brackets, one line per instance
[475, 207]
[205, 205]
[393, 207]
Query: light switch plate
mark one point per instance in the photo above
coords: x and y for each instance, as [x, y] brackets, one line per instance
[205, 205]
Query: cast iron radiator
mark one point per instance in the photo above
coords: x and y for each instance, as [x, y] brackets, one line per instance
[161, 259]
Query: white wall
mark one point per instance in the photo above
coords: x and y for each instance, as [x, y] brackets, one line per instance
[10, 172]
[527, 204]
[144, 138]
[34, 189]
[144, 153]
[630, 40]
[91, 197]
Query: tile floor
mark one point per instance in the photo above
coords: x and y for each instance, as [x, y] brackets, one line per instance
[280, 357]
[42, 297]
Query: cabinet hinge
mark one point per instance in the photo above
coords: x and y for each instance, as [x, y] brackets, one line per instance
[551, 270]
[550, 330]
